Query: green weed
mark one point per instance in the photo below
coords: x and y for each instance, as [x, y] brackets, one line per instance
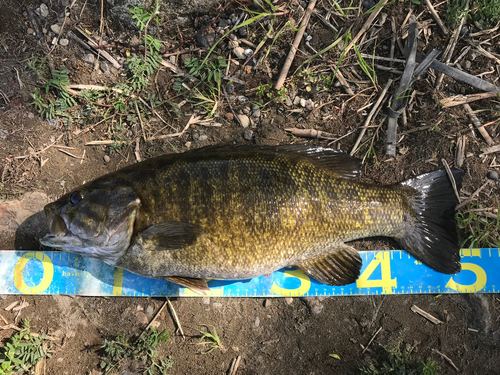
[484, 13]
[121, 349]
[480, 231]
[23, 351]
[213, 340]
[397, 359]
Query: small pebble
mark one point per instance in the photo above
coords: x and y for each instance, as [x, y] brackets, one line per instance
[239, 52]
[64, 42]
[150, 311]
[139, 308]
[203, 137]
[89, 58]
[248, 134]
[44, 10]
[56, 28]
[492, 175]
[2, 133]
[288, 102]
[255, 112]
[233, 37]
[309, 105]
[54, 41]
[302, 102]
[244, 120]
[246, 110]
[257, 322]
[217, 305]
[31, 31]
[229, 116]
[243, 32]
[230, 88]
[106, 159]
[296, 101]
[104, 67]
[53, 122]
[248, 52]
[288, 300]
[467, 64]
[242, 99]
[267, 303]
[142, 318]
[206, 300]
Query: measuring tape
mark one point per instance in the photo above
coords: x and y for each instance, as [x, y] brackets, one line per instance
[383, 272]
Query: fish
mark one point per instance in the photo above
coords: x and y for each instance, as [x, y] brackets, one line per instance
[237, 212]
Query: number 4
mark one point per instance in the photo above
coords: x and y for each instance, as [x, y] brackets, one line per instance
[386, 283]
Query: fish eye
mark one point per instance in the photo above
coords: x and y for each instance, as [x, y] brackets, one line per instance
[75, 197]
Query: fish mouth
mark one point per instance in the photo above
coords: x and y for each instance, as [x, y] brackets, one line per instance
[57, 225]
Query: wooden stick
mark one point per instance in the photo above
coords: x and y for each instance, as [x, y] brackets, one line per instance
[371, 340]
[370, 115]
[453, 101]
[235, 365]
[460, 152]
[436, 17]
[295, 45]
[310, 133]
[366, 25]
[489, 150]
[468, 200]
[447, 359]
[176, 318]
[448, 53]
[425, 314]
[451, 177]
[478, 125]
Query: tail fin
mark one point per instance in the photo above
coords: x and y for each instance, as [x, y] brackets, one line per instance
[432, 236]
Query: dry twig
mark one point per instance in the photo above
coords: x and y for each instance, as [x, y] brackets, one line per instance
[447, 359]
[425, 314]
[234, 365]
[477, 124]
[295, 45]
[451, 177]
[453, 101]
[371, 340]
[176, 318]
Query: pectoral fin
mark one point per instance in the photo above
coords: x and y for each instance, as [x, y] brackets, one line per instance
[196, 285]
[339, 267]
[169, 235]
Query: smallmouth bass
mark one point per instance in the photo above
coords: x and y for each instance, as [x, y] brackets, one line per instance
[235, 212]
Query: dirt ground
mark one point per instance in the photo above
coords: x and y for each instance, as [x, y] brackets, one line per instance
[280, 336]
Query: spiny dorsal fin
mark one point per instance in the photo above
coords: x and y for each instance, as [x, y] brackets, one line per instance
[169, 235]
[342, 164]
[341, 267]
[196, 285]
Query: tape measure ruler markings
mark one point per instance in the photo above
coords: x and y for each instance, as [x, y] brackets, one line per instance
[383, 272]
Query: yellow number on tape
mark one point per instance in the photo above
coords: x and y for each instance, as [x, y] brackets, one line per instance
[384, 260]
[476, 287]
[305, 285]
[48, 273]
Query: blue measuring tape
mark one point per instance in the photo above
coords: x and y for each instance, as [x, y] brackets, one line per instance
[383, 272]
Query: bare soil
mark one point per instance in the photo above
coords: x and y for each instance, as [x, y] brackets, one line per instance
[294, 336]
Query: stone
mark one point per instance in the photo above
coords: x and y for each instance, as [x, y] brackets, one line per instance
[150, 311]
[309, 105]
[142, 318]
[230, 88]
[206, 300]
[104, 67]
[256, 323]
[467, 64]
[242, 99]
[302, 102]
[248, 134]
[217, 305]
[64, 42]
[44, 10]
[31, 31]
[243, 32]
[239, 52]
[244, 120]
[267, 303]
[256, 112]
[288, 300]
[89, 58]
[296, 101]
[492, 175]
[288, 102]
[106, 159]
[203, 137]
[56, 28]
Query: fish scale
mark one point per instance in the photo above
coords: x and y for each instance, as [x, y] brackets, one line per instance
[239, 212]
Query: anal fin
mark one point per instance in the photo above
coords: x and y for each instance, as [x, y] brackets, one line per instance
[342, 266]
[196, 285]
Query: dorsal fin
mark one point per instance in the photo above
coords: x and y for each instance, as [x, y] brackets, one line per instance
[344, 165]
